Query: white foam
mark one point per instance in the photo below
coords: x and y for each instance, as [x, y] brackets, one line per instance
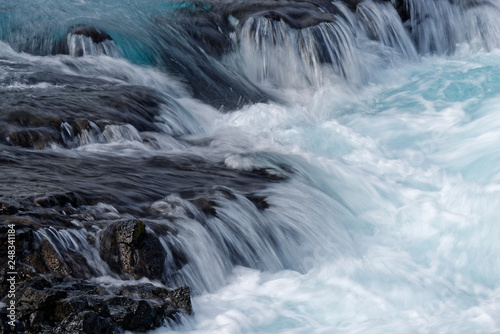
[421, 245]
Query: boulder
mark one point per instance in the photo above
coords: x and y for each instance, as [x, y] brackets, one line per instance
[129, 248]
[87, 322]
[67, 305]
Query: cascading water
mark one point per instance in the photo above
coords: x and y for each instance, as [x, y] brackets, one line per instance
[441, 26]
[351, 188]
[273, 52]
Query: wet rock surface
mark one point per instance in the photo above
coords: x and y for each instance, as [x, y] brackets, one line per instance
[193, 41]
[128, 248]
[67, 238]
[211, 22]
[52, 188]
[54, 294]
[55, 304]
[72, 108]
[96, 35]
[80, 215]
[208, 79]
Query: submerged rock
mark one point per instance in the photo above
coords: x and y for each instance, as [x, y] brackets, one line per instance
[37, 138]
[7, 209]
[297, 14]
[96, 35]
[74, 110]
[192, 43]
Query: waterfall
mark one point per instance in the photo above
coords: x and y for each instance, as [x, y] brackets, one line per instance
[80, 45]
[441, 26]
[273, 52]
[303, 167]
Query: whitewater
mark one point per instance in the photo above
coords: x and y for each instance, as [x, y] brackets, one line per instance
[414, 162]
[387, 219]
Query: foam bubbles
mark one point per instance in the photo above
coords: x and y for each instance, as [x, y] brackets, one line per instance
[417, 250]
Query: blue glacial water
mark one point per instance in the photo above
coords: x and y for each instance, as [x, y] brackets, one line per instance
[389, 131]
[414, 159]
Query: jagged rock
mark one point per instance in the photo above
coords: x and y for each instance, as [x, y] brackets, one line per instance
[129, 249]
[23, 243]
[181, 298]
[36, 304]
[207, 206]
[87, 322]
[72, 305]
[139, 315]
[53, 259]
[66, 305]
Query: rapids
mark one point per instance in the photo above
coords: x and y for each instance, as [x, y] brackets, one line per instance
[353, 163]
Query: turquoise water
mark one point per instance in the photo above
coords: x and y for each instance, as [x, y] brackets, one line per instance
[388, 222]
[415, 160]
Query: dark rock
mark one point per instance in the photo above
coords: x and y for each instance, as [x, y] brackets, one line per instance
[74, 107]
[25, 118]
[23, 242]
[259, 202]
[402, 9]
[206, 205]
[96, 35]
[87, 322]
[86, 40]
[208, 78]
[6, 209]
[129, 249]
[181, 298]
[38, 138]
[143, 315]
[36, 306]
[211, 33]
[298, 15]
[52, 259]
[157, 305]
[60, 200]
[67, 305]
[35, 256]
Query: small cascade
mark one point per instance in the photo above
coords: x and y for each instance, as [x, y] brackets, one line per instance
[94, 135]
[268, 46]
[235, 230]
[440, 26]
[80, 46]
[87, 41]
[307, 157]
[350, 46]
[201, 241]
[382, 23]
[73, 247]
